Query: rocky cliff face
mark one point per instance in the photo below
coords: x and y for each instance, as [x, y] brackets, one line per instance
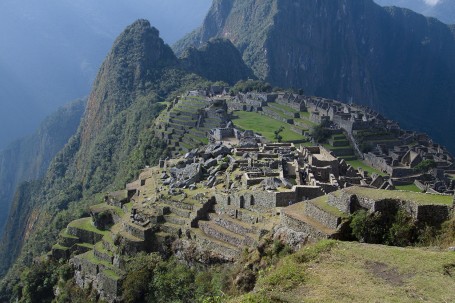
[391, 59]
[217, 60]
[27, 159]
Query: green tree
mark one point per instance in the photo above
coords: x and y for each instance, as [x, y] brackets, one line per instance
[38, 283]
[320, 133]
[425, 166]
[137, 284]
[278, 137]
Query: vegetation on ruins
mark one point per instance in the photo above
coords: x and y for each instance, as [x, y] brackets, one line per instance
[379, 228]
[425, 166]
[278, 137]
[320, 134]
[245, 86]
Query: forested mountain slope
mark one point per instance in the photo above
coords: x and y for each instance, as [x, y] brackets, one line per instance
[28, 158]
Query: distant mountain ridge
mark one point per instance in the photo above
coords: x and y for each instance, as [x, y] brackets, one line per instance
[444, 10]
[52, 49]
[27, 159]
[393, 60]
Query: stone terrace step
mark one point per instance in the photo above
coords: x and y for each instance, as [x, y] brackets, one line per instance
[299, 222]
[173, 229]
[101, 253]
[181, 205]
[174, 219]
[85, 231]
[231, 224]
[213, 245]
[66, 239]
[108, 242]
[211, 229]
[131, 243]
[135, 230]
[180, 212]
[324, 213]
[243, 215]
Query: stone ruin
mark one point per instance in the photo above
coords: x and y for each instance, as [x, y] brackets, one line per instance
[218, 198]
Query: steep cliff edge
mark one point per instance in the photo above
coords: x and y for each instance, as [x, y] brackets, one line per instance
[392, 59]
[27, 159]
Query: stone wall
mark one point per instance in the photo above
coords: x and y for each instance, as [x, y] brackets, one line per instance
[261, 201]
[89, 275]
[322, 216]
[231, 225]
[137, 231]
[301, 107]
[109, 287]
[299, 225]
[427, 214]
[270, 113]
[85, 236]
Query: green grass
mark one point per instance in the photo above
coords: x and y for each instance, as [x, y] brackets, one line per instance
[409, 187]
[280, 113]
[360, 164]
[283, 107]
[64, 234]
[321, 202]
[419, 198]
[305, 121]
[264, 125]
[353, 272]
[87, 224]
[86, 245]
[111, 274]
[305, 115]
[334, 148]
[98, 208]
[89, 256]
[99, 247]
[60, 247]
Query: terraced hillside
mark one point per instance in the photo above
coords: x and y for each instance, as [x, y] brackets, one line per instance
[187, 121]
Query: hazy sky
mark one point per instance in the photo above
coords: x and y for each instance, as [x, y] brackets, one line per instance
[50, 50]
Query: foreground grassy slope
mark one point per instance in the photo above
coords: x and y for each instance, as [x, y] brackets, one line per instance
[352, 272]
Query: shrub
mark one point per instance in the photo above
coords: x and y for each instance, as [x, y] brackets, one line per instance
[320, 134]
[397, 229]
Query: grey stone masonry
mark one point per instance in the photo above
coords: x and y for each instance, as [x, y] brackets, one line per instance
[326, 218]
[305, 225]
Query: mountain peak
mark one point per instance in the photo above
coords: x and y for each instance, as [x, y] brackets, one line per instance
[136, 58]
